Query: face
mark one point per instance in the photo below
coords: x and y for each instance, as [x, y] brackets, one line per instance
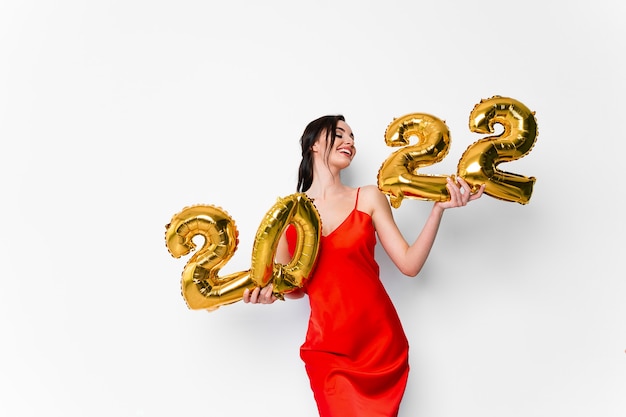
[343, 150]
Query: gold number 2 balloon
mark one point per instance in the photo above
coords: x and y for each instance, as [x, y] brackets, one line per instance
[478, 164]
[398, 176]
[203, 288]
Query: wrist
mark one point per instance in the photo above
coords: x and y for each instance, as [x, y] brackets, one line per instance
[438, 209]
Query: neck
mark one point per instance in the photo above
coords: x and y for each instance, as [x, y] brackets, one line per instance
[324, 182]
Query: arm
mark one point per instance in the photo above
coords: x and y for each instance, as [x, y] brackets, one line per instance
[411, 258]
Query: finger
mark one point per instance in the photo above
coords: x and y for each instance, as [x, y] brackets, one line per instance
[469, 188]
[246, 295]
[466, 190]
[465, 196]
[254, 298]
[479, 192]
[266, 293]
[454, 191]
[463, 183]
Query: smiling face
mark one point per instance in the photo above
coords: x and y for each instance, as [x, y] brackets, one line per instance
[344, 140]
[339, 152]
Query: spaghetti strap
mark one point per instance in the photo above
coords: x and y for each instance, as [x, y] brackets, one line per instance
[356, 203]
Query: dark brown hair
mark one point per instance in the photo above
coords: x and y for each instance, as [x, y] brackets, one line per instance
[312, 132]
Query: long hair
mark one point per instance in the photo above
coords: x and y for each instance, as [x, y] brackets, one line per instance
[324, 124]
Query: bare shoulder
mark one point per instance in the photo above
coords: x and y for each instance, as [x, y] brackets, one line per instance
[371, 199]
[371, 191]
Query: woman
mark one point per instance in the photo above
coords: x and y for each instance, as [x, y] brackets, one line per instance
[355, 351]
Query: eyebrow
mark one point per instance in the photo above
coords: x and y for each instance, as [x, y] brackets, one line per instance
[343, 130]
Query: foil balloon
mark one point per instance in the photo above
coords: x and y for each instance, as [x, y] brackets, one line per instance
[202, 287]
[398, 176]
[479, 162]
[296, 209]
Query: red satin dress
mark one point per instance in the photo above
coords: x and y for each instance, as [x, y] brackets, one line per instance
[355, 351]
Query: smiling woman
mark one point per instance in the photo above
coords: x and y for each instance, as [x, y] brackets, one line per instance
[355, 351]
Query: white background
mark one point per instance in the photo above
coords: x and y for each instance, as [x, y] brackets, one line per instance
[114, 115]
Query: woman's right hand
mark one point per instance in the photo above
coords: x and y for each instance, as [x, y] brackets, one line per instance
[259, 295]
[460, 193]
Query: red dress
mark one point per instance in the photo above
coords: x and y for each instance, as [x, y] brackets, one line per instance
[355, 351]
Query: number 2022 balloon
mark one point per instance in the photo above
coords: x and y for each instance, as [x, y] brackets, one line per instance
[398, 176]
[203, 288]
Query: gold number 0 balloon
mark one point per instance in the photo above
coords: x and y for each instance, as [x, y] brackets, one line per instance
[202, 288]
[479, 162]
[398, 177]
[296, 209]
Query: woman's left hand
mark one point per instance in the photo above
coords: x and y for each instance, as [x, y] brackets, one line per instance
[460, 193]
[259, 295]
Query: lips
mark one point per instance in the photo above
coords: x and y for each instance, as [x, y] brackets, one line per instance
[345, 151]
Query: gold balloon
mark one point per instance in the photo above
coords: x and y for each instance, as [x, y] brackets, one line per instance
[202, 288]
[398, 177]
[478, 164]
[296, 209]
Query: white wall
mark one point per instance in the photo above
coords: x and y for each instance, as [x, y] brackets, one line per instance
[115, 115]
